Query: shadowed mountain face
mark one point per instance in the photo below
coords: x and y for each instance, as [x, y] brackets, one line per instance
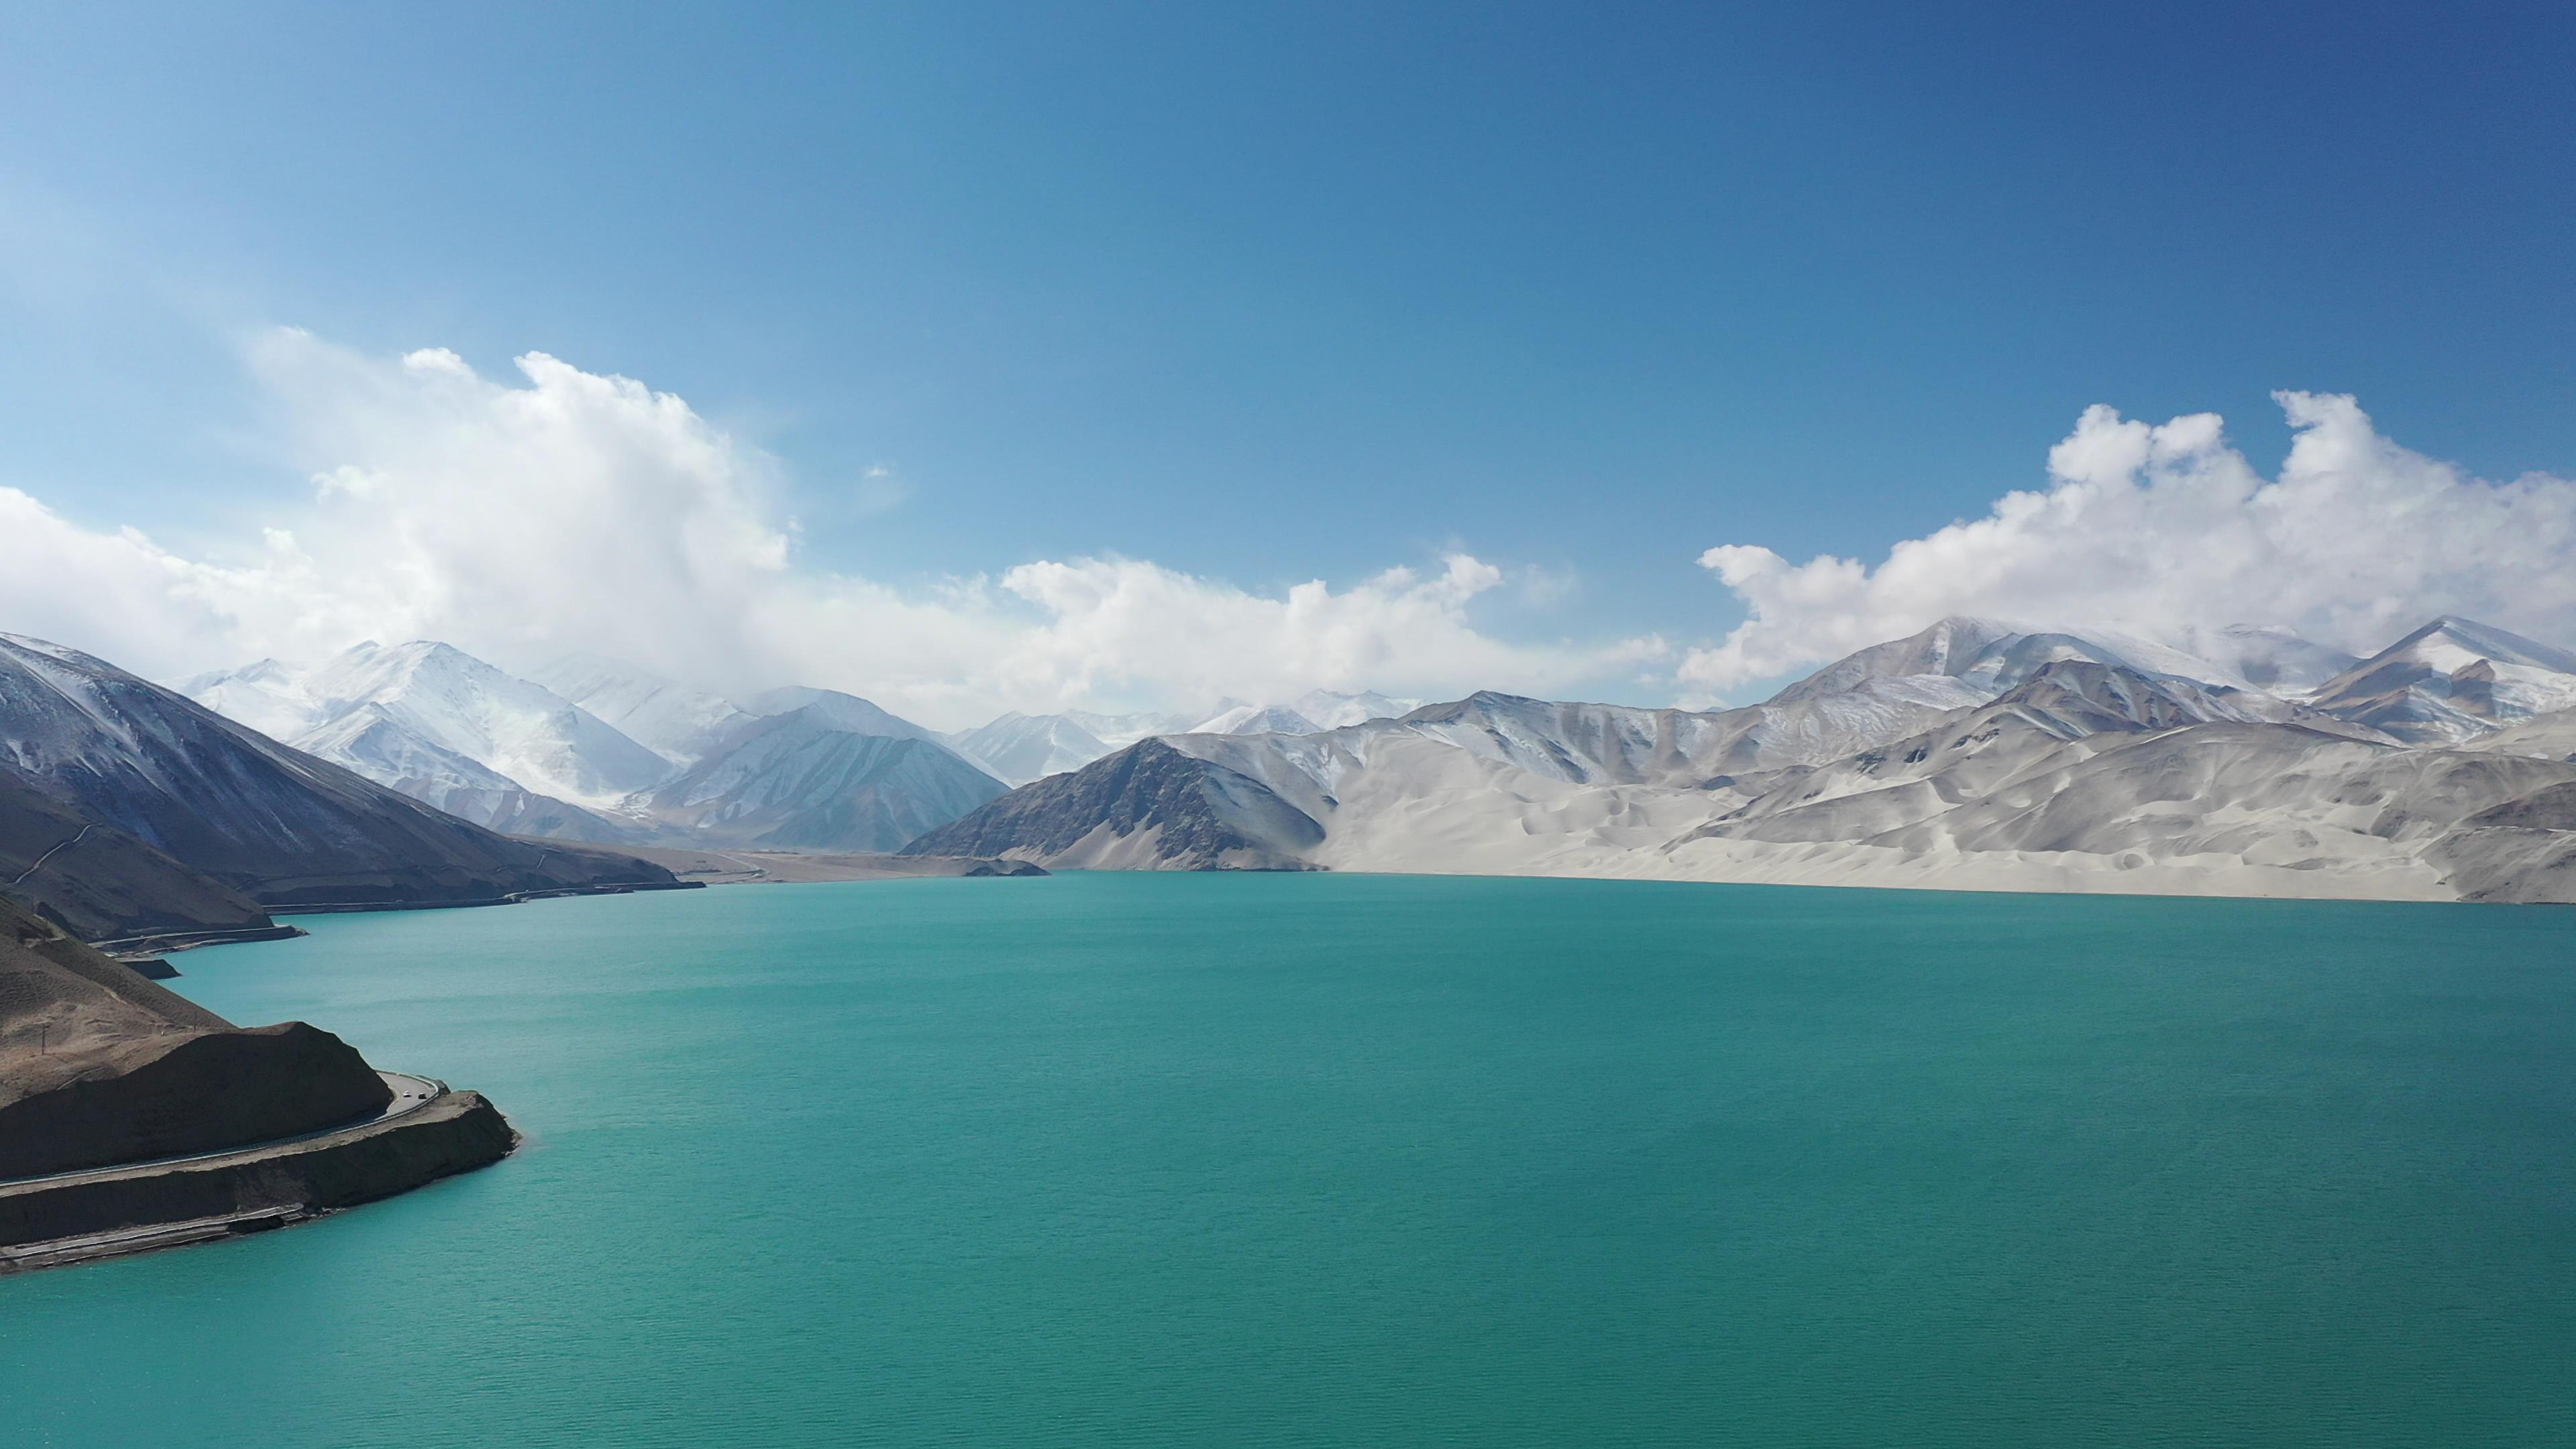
[1147, 807]
[99, 1066]
[2452, 681]
[277, 826]
[806, 780]
[833, 709]
[98, 882]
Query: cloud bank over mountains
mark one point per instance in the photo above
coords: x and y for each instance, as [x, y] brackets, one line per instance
[2169, 533]
[572, 510]
[567, 510]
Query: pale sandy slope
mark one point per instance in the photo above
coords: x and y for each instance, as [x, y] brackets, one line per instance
[2049, 789]
[1971, 756]
[1427, 809]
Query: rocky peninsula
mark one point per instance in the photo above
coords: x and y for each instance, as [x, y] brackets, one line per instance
[132, 1118]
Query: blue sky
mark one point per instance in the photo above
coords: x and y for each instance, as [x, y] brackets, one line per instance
[1266, 294]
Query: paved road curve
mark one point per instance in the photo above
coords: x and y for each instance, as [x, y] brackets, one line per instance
[410, 1095]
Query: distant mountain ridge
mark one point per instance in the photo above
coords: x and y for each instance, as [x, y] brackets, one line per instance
[1966, 753]
[1973, 754]
[1991, 656]
[676, 722]
[1020, 748]
[512, 754]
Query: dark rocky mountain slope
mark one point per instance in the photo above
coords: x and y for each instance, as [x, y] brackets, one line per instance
[99, 883]
[276, 826]
[806, 780]
[1149, 806]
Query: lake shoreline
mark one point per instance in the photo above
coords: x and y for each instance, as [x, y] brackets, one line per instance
[114, 1212]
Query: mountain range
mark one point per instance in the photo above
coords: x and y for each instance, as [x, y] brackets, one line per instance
[593, 749]
[1973, 754]
[128, 810]
[1019, 748]
[552, 756]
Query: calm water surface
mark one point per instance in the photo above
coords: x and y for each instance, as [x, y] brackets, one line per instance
[1209, 1160]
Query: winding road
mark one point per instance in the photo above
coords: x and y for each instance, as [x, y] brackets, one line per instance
[410, 1095]
[50, 854]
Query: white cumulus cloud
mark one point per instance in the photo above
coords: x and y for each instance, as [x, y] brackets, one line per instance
[2165, 530]
[522, 518]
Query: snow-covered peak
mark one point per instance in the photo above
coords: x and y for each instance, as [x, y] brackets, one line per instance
[2450, 642]
[1118, 731]
[676, 722]
[2452, 680]
[1947, 647]
[1018, 748]
[268, 696]
[371, 741]
[1332, 710]
[1255, 719]
[1315, 710]
[1023, 747]
[1993, 655]
[444, 698]
[363, 671]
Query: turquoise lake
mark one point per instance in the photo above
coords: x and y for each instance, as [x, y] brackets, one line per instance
[1352, 1160]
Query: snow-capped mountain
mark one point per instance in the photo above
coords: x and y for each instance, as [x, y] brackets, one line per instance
[1331, 710]
[434, 697]
[1255, 719]
[516, 727]
[1990, 656]
[792, 767]
[450, 730]
[1971, 755]
[1018, 748]
[268, 696]
[2450, 681]
[1021, 747]
[1316, 709]
[676, 722]
[1975, 752]
[371, 741]
[277, 825]
[1118, 731]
